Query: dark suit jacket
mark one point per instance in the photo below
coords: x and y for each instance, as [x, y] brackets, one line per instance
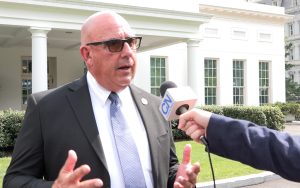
[62, 119]
[255, 145]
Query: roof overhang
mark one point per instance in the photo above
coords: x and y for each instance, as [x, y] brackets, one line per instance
[158, 26]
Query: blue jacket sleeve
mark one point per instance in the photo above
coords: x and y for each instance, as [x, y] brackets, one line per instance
[256, 146]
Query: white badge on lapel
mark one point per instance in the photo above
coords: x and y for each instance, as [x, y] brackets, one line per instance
[144, 101]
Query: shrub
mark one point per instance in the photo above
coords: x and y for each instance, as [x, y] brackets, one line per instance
[213, 108]
[289, 108]
[10, 124]
[250, 113]
[274, 117]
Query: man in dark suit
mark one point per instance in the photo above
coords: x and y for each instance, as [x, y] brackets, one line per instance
[246, 142]
[66, 138]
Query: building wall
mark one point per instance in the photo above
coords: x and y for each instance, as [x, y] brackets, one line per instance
[176, 65]
[69, 67]
[225, 46]
[218, 41]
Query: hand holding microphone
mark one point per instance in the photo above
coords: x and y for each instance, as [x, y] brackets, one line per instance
[177, 103]
[194, 123]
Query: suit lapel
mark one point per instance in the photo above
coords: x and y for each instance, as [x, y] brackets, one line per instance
[80, 101]
[148, 114]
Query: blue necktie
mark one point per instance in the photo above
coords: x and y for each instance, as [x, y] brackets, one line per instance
[127, 151]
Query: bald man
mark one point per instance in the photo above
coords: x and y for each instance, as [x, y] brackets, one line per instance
[67, 138]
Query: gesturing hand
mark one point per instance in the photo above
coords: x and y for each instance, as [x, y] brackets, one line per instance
[70, 178]
[187, 173]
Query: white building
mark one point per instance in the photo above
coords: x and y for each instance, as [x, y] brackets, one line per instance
[292, 35]
[229, 53]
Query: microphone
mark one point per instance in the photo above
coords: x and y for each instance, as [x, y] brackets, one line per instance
[176, 101]
[166, 85]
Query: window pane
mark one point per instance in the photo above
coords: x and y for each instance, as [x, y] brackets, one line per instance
[263, 82]
[158, 73]
[238, 82]
[210, 79]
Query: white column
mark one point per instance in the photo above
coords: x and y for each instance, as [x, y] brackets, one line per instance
[39, 59]
[195, 69]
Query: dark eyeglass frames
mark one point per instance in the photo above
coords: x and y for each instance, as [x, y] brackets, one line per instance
[116, 45]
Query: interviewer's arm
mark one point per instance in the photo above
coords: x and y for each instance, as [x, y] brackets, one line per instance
[249, 143]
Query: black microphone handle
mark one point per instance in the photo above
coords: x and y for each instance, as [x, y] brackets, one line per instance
[182, 109]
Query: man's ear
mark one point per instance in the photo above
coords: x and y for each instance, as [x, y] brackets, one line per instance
[85, 53]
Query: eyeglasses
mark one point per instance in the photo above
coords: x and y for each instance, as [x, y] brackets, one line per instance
[116, 45]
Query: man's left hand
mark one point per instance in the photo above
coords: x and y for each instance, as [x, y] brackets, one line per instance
[187, 173]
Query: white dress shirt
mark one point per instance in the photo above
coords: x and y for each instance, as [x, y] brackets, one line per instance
[101, 108]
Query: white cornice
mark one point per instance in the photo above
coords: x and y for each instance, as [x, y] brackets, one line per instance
[165, 25]
[88, 5]
[243, 13]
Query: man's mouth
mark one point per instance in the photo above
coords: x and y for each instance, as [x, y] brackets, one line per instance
[125, 67]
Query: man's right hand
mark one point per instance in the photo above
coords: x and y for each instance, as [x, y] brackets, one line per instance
[70, 178]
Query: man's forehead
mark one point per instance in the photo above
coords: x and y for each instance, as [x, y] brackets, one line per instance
[111, 31]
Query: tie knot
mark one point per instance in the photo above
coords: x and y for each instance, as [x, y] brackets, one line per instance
[113, 97]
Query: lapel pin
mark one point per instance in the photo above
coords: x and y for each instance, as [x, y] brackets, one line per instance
[144, 101]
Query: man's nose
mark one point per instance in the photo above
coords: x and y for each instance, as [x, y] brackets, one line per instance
[127, 48]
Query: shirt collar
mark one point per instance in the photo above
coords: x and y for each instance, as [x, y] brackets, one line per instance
[102, 94]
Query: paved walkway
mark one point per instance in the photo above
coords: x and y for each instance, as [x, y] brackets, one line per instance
[262, 180]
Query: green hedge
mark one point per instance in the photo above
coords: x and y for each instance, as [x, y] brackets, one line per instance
[270, 116]
[10, 124]
[289, 108]
[274, 117]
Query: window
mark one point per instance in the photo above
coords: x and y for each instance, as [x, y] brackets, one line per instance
[291, 29]
[211, 32]
[238, 82]
[263, 82]
[239, 34]
[264, 37]
[26, 78]
[158, 73]
[210, 77]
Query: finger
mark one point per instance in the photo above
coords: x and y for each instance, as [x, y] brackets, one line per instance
[187, 154]
[70, 162]
[184, 119]
[188, 116]
[181, 123]
[192, 173]
[183, 182]
[79, 173]
[91, 183]
[186, 124]
[196, 135]
[196, 168]
[177, 183]
[191, 129]
[192, 178]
